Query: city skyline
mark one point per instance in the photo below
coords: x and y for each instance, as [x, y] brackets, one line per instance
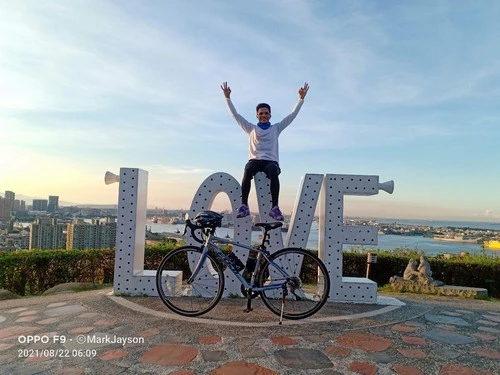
[407, 92]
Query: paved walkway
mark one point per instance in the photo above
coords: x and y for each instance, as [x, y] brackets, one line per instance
[95, 333]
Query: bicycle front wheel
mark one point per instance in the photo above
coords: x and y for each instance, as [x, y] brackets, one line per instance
[305, 288]
[189, 299]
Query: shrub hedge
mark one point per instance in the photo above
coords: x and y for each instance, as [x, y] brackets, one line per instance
[31, 272]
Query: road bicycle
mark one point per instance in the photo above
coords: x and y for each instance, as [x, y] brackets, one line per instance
[292, 282]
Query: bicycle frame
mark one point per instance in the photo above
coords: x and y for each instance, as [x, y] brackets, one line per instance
[210, 245]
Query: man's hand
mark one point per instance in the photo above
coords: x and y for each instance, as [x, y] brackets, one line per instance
[302, 91]
[226, 90]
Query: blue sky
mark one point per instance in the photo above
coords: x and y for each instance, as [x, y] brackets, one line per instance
[408, 91]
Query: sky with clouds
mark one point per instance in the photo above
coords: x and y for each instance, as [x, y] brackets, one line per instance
[408, 91]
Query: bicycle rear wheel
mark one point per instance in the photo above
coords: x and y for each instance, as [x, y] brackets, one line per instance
[306, 286]
[195, 298]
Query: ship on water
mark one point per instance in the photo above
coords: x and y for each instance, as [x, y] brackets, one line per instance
[492, 244]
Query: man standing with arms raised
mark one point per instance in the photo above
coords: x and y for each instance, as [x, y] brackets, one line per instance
[264, 148]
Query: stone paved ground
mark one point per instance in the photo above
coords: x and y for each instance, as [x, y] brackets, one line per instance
[429, 335]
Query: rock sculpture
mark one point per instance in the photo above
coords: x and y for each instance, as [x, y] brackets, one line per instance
[417, 278]
[411, 272]
[425, 273]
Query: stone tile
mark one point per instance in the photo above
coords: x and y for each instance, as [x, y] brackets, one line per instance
[105, 322]
[403, 328]
[413, 340]
[446, 320]
[484, 336]
[241, 367]
[486, 323]
[454, 369]
[70, 371]
[380, 357]
[445, 353]
[450, 313]
[16, 310]
[149, 332]
[80, 330]
[412, 353]
[407, 370]
[214, 355]
[56, 304]
[283, 341]
[253, 352]
[488, 353]
[25, 319]
[87, 315]
[493, 318]
[365, 341]
[27, 313]
[415, 324]
[446, 327]
[113, 354]
[2, 318]
[315, 339]
[182, 372]
[337, 351]
[305, 359]
[49, 321]
[447, 337]
[5, 346]
[65, 310]
[363, 368]
[465, 312]
[489, 329]
[169, 355]
[494, 313]
[16, 331]
[330, 372]
[244, 341]
[207, 340]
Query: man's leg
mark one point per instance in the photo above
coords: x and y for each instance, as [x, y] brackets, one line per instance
[272, 171]
[250, 169]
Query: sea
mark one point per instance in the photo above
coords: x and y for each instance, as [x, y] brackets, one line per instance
[429, 246]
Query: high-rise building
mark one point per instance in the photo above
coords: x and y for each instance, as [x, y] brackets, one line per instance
[40, 204]
[53, 205]
[46, 234]
[10, 195]
[6, 206]
[95, 235]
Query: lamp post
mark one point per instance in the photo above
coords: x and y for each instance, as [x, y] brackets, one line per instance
[371, 259]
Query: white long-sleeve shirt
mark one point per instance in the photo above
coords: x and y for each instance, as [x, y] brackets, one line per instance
[263, 144]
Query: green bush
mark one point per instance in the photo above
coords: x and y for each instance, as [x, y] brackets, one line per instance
[31, 272]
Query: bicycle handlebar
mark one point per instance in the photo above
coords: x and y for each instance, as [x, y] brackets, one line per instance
[193, 228]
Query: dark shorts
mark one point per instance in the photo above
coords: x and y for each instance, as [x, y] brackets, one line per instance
[270, 168]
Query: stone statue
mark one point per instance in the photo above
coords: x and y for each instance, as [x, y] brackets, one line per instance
[425, 273]
[411, 272]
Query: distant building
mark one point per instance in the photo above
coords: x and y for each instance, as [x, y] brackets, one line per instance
[53, 205]
[6, 206]
[82, 235]
[40, 204]
[47, 234]
[10, 195]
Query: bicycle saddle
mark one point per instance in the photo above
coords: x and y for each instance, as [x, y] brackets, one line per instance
[269, 226]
